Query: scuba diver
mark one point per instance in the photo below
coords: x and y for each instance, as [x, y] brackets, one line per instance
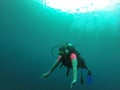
[68, 56]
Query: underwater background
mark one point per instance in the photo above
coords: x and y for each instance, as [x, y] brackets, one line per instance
[28, 32]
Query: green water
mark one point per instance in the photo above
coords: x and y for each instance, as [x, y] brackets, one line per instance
[28, 31]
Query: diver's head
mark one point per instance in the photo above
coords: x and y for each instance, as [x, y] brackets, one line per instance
[69, 45]
[66, 48]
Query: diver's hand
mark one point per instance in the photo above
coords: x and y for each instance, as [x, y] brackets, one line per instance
[73, 83]
[45, 75]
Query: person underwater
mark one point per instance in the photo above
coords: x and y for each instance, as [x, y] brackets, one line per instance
[69, 57]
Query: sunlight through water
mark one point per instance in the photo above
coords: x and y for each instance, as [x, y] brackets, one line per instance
[80, 6]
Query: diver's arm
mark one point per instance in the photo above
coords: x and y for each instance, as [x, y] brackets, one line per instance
[74, 65]
[45, 75]
[54, 66]
[58, 61]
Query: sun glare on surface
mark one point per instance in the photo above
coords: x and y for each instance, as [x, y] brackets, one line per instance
[80, 6]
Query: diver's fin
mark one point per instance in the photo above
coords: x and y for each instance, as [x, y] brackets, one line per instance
[89, 77]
